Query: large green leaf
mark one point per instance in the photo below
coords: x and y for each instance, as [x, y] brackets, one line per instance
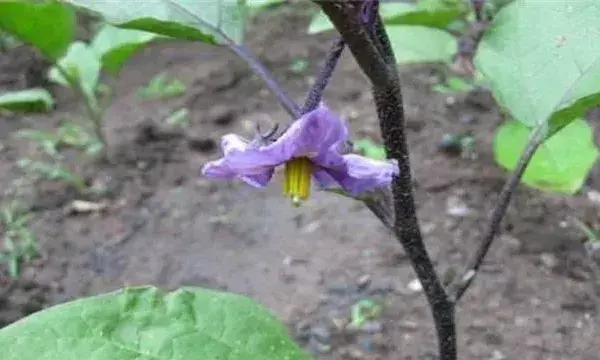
[49, 26]
[181, 19]
[36, 99]
[420, 44]
[430, 13]
[143, 323]
[561, 164]
[543, 60]
[81, 64]
[114, 46]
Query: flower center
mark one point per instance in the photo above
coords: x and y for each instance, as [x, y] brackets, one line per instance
[298, 174]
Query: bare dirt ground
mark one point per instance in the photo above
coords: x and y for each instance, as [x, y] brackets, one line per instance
[166, 225]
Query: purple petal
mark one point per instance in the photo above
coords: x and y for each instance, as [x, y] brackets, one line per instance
[258, 180]
[240, 160]
[364, 174]
[324, 180]
[313, 134]
[220, 170]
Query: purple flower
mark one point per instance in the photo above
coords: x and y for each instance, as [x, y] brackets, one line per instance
[312, 147]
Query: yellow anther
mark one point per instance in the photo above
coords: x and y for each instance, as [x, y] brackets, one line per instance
[296, 185]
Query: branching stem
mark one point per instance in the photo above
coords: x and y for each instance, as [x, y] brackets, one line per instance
[457, 290]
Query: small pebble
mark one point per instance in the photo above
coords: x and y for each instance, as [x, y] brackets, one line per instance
[549, 260]
[363, 282]
[415, 286]
[456, 207]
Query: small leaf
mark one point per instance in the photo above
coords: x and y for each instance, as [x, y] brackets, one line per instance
[144, 323]
[562, 162]
[180, 19]
[370, 149]
[319, 23]
[543, 62]
[114, 46]
[48, 141]
[36, 99]
[81, 65]
[454, 84]
[419, 44]
[160, 88]
[48, 26]
[179, 118]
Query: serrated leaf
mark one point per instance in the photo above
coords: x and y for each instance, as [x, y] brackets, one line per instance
[81, 65]
[36, 99]
[561, 164]
[114, 46]
[420, 44]
[49, 26]
[180, 19]
[144, 323]
[543, 62]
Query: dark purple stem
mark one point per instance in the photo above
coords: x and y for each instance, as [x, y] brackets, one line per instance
[372, 51]
[284, 99]
[478, 7]
[316, 92]
[242, 51]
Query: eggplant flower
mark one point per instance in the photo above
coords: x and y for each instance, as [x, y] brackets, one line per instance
[312, 148]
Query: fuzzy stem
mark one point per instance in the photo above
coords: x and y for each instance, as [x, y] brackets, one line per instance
[316, 92]
[372, 51]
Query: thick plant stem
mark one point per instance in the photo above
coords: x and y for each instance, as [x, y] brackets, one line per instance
[371, 49]
[406, 225]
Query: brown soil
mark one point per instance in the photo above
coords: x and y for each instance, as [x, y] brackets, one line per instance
[169, 226]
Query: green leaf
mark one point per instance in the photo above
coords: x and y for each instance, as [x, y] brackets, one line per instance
[454, 84]
[48, 141]
[262, 4]
[420, 44]
[543, 62]
[49, 26]
[144, 323]
[81, 65]
[179, 118]
[562, 162]
[36, 99]
[159, 87]
[370, 149]
[114, 46]
[429, 13]
[181, 19]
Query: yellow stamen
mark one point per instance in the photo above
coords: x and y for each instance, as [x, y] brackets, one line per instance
[298, 173]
